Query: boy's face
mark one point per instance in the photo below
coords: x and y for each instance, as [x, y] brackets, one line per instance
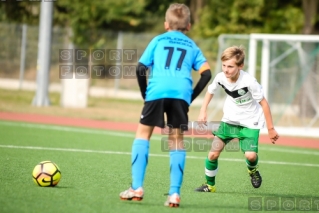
[230, 69]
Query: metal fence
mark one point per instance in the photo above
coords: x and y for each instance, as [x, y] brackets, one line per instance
[19, 47]
[18, 60]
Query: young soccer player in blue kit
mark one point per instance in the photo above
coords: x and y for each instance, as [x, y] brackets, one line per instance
[171, 56]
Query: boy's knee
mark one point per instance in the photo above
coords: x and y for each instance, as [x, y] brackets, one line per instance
[251, 156]
[213, 155]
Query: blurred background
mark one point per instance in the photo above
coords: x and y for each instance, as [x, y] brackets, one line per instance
[283, 56]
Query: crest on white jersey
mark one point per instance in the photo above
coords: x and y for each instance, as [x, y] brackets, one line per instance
[241, 92]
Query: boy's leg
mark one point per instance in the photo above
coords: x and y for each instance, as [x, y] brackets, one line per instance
[152, 115]
[139, 160]
[211, 166]
[177, 164]
[177, 119]
[249, 145]
[252, 164]
[251, 160]
[223, 135]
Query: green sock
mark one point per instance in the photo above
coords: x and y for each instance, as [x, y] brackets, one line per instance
[252, 165]
[211, 168]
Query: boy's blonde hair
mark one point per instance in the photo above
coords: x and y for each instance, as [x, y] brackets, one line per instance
[237, 52]
[178, 17]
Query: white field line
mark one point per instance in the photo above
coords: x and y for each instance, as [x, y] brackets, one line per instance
[131, 135]
[155, 155]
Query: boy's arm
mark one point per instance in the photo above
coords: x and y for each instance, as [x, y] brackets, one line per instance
[141, 70]
[203, 81]
[273, 135]
[203, 110]
[205, 76]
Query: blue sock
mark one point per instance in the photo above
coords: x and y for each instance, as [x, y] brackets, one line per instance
[140, 149]
[177, 164]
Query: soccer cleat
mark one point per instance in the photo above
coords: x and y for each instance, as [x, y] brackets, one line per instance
[255, 178]
[132, 194]
[173, 200]
[206, 188]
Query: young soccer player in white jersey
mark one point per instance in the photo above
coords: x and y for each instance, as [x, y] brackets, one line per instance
[172, 56]
[245, 112]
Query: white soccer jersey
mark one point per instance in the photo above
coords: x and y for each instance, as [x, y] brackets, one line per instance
[242, 103]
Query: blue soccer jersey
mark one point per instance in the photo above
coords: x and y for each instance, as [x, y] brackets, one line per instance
[171, 57]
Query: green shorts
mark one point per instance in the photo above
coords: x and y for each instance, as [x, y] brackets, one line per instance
[248, 138]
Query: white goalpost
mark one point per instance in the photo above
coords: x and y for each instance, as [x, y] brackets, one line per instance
[286, 66]
[295, 42]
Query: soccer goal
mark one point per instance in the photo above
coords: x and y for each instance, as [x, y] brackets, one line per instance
[287, 67]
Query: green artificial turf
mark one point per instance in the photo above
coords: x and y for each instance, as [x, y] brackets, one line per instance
[95, 166]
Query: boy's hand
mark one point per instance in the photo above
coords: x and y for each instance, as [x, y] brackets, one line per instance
[202, 118]
[273, 135]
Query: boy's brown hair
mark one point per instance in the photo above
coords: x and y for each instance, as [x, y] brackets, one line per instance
[178, 17]
[237, 52]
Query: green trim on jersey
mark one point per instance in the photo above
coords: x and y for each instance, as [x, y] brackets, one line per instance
[248, 138]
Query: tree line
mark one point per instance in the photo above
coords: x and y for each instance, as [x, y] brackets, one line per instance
[210, 18]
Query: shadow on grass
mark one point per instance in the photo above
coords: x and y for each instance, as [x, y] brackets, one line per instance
[184, 205]
[63, 187]
[129, 202]
[217, 207]
[56, 187]
[265, 194]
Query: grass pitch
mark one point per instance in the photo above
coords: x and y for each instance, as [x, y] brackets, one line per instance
[95, 166]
